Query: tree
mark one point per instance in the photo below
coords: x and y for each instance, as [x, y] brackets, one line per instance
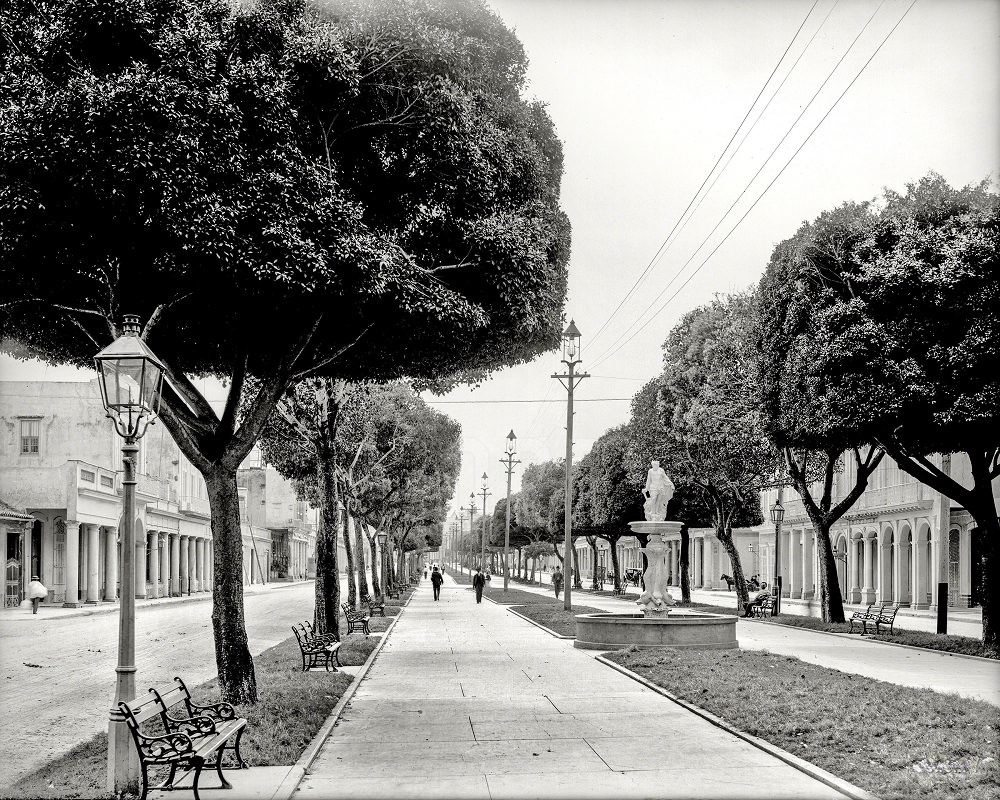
[364, 180]
[707, 404]
[909, 354]
[792, 337]
[541, 507]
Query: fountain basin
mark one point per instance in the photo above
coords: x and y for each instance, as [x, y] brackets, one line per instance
[678, 630]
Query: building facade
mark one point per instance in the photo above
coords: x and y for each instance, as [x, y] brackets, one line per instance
[60, 466]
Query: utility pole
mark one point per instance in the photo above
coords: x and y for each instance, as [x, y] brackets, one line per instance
[508, 461]
[482, 555]
[571, 357]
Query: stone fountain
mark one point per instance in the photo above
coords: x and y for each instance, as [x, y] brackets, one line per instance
[656, 626]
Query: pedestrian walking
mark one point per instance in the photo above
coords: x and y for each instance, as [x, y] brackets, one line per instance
[436, 581]
[479, 583]
[557, 581]
[36, 593]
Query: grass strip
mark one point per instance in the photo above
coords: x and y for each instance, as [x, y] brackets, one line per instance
[556, 618]
[292, 706]
[964, 645]
[893, 741]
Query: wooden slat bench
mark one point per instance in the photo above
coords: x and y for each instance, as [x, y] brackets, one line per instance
[356, 620]
[193, 740]
[314, 647]
[887, 616]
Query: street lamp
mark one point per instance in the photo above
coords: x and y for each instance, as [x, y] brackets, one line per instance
[461, 536]
[484, 492]
[130, 378]
[508, 461]
[571, 357]
[383, 538]
[777, 515]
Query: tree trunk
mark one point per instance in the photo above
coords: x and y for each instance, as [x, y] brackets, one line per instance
[684, 562]
[592, 541]
[359, 539]
[237, 679]
[577, 579]
[830, 597]
[376, 581]
[725, 536]
[327, 587]
[352, 588]
[615, 566]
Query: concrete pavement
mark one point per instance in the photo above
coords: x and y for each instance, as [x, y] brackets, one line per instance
[975, 678]
[467, 700]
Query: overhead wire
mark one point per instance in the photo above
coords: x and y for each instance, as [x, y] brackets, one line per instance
[766, 188]
[746, 188]
[664, 246]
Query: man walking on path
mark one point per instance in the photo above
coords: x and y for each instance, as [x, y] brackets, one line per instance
[557, 581]
[479, 583]
[436, 580]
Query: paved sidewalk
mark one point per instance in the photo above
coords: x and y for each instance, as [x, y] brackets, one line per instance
[468, 700]
[975, 678]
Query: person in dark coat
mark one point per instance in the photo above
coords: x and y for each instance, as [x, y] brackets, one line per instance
[436, 581]
[479, 583]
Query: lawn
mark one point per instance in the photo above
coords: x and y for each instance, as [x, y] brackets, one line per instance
[293, 705]
[891, 740]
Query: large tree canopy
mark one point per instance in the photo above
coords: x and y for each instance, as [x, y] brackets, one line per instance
[356, 190]
[884, 329]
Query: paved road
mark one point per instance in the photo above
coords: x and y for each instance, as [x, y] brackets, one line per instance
[978, 679]
[468, 700]
[59, 672]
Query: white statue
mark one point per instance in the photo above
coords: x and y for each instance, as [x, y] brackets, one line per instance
[659, 490]
[655, 599]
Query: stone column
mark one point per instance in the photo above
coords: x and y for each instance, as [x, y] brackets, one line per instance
[154, 565]
[165, 565]
[853, 569]
[26, 566]
[183, 565]
[200, 558]
[110, 564]
[208, 565]
[93, 564]
[868, 590]
[175, 564]
[808, 564]
[140, 565]
[72, 564]
[794, 563]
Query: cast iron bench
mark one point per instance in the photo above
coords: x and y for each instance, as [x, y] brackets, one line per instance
[356, 620]
[375, 606]
[619, 590]
[191, 741]
[764, 607]
[871, 614]
[315, 646]
[887, 616]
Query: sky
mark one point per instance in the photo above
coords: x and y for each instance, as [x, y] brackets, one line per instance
[752, 116]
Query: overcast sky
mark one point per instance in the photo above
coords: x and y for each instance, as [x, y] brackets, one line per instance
[646, 95]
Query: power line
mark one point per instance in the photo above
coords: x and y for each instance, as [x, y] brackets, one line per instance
[612, 349]
[575, 400]
[666, 242]
[766, 188]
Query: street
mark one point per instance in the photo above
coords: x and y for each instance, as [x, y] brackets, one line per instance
[60, 673]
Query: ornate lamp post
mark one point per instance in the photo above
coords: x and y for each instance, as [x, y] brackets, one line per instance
[383, 538]
[130, 377]
[777, 516]
[461, 535]
[571, 357]
[508, 461]
[482, 538]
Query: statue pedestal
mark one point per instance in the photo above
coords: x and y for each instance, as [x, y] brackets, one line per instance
[655, 601]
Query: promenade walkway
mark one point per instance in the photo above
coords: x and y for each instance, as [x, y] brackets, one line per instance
[468, 700]
[975, 678]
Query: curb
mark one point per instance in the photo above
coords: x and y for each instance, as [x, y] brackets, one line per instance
[831, 780]
[851, 636]
[539, 624]
[300, 769]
